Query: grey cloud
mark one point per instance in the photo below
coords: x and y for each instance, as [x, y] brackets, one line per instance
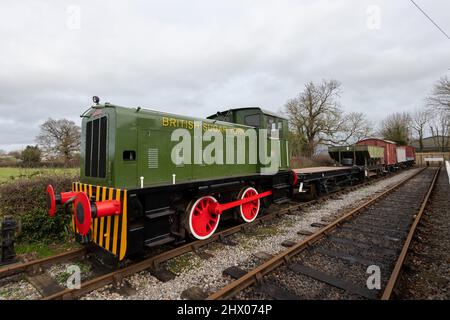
[196, 57]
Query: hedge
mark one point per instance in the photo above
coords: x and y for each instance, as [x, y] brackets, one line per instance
[25, 200]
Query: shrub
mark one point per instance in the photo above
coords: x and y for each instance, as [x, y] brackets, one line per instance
[9, 162]
[302, 162]
[324, 159]
[25, 199]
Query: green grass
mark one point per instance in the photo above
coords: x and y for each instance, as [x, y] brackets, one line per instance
[7, 174]
[184, 262]
[265, 232]
[41, 249]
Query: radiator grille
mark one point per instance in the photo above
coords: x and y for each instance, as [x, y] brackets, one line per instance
[95, 163]
[153, 158]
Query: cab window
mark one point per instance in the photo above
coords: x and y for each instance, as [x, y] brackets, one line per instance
[272, 127]
[252, 120]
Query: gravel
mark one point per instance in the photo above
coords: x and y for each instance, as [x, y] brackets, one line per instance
[19, 290]
[16, 288]
[193, 271]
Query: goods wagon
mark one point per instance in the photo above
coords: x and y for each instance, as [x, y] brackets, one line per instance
[401, 154]
[369, 158]
[390, 154]
[357, 155]
[405, 156]
[410, 153]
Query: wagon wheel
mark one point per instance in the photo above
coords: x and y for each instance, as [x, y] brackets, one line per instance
[249, 211]
[201, 222]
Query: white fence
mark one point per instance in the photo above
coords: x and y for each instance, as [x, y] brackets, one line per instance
[434, 159]
[447, 166]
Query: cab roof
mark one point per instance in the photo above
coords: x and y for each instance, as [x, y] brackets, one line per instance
[264, 111]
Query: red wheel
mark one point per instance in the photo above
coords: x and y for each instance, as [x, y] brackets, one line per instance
[249, 210]
[51, 201]
[83, 213]
[202, 223]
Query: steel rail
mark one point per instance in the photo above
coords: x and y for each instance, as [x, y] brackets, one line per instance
[401, 259]
[33, 265]
[256, 274]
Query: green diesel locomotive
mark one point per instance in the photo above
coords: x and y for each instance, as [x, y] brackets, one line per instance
[149, 178]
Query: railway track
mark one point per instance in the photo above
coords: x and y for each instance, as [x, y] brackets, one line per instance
[358, 256]
[35, 265]
[34, 271]
[153, 262]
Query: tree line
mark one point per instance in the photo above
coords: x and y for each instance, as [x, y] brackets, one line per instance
[317, 120]
[58, 144]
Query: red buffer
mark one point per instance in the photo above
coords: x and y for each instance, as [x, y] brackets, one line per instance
[294, 178]
[85, 211]
[57, 199]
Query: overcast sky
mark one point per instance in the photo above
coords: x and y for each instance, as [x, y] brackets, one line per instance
[198, 57]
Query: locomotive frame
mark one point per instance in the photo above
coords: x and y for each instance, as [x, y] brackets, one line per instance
[131, 196]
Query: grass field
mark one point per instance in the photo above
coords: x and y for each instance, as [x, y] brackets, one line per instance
[7, 174]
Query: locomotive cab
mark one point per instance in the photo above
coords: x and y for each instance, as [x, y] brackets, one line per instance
[276, 126]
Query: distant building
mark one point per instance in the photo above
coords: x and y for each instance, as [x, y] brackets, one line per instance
[433, 144]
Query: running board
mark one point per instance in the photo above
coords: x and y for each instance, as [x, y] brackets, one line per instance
[160, 212]
[281, 186]
[281, 200]
[158, 241]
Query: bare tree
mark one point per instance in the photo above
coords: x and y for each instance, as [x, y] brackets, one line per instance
[351, 128]
[440, 96]
[439, 106]
[396, 127]
[316, 117]
[59, 139]
[440, 129]
[419, 120]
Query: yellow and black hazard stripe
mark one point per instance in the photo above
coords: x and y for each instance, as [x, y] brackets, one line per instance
[110, 233]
